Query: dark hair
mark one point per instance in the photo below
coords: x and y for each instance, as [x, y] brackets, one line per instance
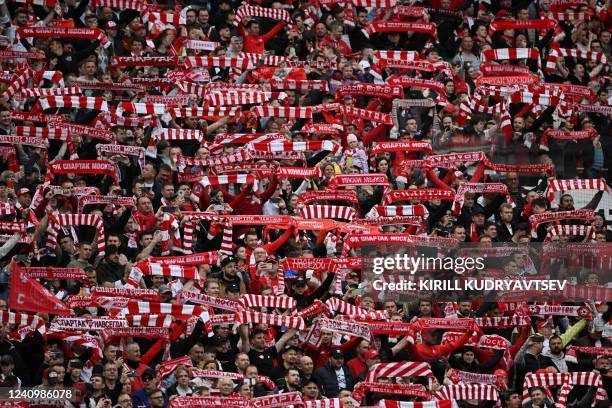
[257, 331]
[540, 202]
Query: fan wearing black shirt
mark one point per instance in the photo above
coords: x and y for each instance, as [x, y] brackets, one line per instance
[265, 359]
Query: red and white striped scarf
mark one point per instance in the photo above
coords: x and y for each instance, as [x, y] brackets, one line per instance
[411, 146]
[577, 311]
[511, 54]
[406, 81]
[178, 134]
[36, 92]
[557, 185]
[199, 45]
[554, 54]
[328, 195]
[299, 84]
[181, 312]
[256, 11]
[23, 140]
[283, 112]
[115, 120]
[383, 403]
[327, 211]
[479, 188]
[80, 102]
[537, 219]
[399, 369]
[204, 112]
[120, 4]
[227, 179]
[398, 210]
[87, 131]
[58, 221]
[54, 32]
[324, 403]
[179, 271]
[176, 19]
[338, 306]
[81, 167]
[143, 108]
[371, 179]
[587, 378]
[282, 302]
[208, 301]
[502, 69]
[236, 97]
[149, 320]
[42, 132]
[397, 55]
[371, 115]
[542, 24]
[23, 320]
[322, 128]
[243, 138]
[571, 230]
[252, 317]
[218, 62]
[282, 146]
[486, 392]
[570, 15]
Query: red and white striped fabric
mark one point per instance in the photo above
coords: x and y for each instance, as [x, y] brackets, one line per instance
[341, 307]
[149, 320]
[177, 271]
[143, 108]
[544, 99]
[119, 4]
[191, 88]
[374, 3]
[299, 84]
[223, 139]
[227, 179]
[587, 378]
[282, 302]
[579, 184]
[74, 102]
[283, 112]
[23, 319]
[511, 54]
[554, 54]
[462, 391]
[571, 231]
[328, 211]
[324, 403]
[36, 92]
[240, 156]
[178, 134]
[7, 209]
[256, 11]
[112, 119]
[181, 312]
[58, 221]
[176, 19]
[169, 225]
[236, 97]
[49, 132]
[204, 112]
[570, 15]
[282, 146]
[383, 403]
[249, 316]
[397, 55]
[218, 62]
[398, 210]
[479, 188]
[399, 369]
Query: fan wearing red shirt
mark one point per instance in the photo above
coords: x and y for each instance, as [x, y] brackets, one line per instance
[253, 41]
[335, 39]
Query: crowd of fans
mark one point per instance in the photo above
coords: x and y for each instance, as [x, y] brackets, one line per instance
[166, 196]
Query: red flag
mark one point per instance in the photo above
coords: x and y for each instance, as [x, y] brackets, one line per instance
[27, 294]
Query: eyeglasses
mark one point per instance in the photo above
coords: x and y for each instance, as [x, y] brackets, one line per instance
[158, 397]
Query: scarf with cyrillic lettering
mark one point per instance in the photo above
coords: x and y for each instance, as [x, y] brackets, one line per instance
[88, 131]
[503, 69]
[587, 292]
[298, 85]
[112, 149]
[22, 319]
[201, 258]
[112, 200]
[120, 4]
[375, 90]
[478, 188]
[502, 321]
[279, 400]
[570, 135]
[410, 390]
[537, 219]
[23, 140]
[249, 316]
[58, 221]
[344, 327]
[322, 128]
[519, 168]
[423, 323]
[399, 369]
[209, 301]
[425, 194]
[196, 372]
[372, 179]
[41, 272]
[144, 294]
[399, 26]
[328, 195]
[544, 24]
[577, 311]
[243, 138]
[37, 92]
[467, 377]
[130, 61]
[596, 351]
[382, 147]
[144, 332]
[554, 54]
[82, 167]
[155, 269]
[372, 116]
[35, 117]
[236, 97]
[87, 323]
[408, 82]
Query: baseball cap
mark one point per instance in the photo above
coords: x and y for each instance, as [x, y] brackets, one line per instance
[232, 287]
[299, 282]
[110, 25]
[364, 64]
[138, 26]
[164, 289]
[148, 374]
[289, 348]
[23, 191]
[227, 261]
[477, 210]
[336, 353]
[371, 354]
[537, 338]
